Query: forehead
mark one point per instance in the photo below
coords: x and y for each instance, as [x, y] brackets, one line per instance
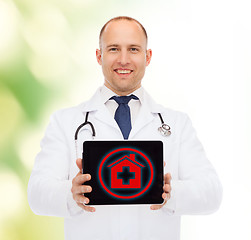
[123, 32]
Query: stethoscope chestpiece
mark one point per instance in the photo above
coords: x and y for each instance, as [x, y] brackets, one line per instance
[165, 130]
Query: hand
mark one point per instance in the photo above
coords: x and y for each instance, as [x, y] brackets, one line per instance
[167, 190]
[78, 189]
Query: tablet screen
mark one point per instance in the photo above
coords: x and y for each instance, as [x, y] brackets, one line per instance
[124, 172]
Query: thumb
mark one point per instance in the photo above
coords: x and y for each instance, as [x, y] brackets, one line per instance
[79, 164]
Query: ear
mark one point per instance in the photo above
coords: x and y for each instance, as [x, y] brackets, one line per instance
[148, 56]
[98, 56]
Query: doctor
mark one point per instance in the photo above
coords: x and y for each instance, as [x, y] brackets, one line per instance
[56, 185]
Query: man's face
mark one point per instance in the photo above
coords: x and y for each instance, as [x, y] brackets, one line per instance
[123, 56]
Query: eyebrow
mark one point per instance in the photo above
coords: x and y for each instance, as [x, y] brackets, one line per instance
[116, 45]
[112, 45]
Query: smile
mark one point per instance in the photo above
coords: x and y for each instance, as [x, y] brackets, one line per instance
[123, 71]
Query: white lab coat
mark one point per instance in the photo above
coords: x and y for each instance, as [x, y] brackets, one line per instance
[196, 188]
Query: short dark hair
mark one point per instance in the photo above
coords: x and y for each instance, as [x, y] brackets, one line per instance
[117, 19]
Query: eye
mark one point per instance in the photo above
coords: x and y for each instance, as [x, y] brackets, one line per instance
[134, 50]
[113, 49]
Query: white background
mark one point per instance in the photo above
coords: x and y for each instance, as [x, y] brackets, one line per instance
[201, 66]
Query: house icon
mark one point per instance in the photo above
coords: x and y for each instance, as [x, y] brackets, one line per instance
[126, 173]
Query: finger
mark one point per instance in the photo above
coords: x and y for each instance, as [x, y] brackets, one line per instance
[79, 164]
[81, 189]
[166, 196]
[157, 206]
[81, 178]
[167, 178]
[86, 208]
[167, 188]
[81, 199]
[164, 163]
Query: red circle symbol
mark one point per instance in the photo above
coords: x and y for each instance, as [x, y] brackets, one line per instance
[117, 195]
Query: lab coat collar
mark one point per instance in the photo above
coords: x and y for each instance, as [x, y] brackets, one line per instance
[151, 105]
[145, 115]
[101, 113]
[96, 103]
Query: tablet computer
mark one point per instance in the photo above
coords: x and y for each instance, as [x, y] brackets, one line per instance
[124, 172]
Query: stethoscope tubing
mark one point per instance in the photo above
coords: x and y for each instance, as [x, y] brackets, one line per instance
[164, 129]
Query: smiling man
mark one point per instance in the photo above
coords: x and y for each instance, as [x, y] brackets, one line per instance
[122, 109]
[123, 55]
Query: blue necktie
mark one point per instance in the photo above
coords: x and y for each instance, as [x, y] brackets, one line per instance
[123, 115]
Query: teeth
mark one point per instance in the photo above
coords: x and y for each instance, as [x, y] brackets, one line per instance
[123, 71]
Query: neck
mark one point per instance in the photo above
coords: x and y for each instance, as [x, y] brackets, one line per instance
[121, 92]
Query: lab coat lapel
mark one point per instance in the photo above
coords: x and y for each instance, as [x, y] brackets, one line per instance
[101, 113]
[146, 114]
[144, 117]
[105, 116]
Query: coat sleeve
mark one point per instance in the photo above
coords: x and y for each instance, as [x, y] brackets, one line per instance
[198, 189]
[49, 187]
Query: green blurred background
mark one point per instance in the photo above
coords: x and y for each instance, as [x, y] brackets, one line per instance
[47, 50]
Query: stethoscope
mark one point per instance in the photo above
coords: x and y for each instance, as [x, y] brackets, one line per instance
[164, 129]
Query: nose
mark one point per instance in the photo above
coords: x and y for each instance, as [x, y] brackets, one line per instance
[124, 57]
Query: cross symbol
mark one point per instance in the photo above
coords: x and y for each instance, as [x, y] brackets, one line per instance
[126, 175]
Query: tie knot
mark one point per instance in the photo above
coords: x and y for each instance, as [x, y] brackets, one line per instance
[124, 99]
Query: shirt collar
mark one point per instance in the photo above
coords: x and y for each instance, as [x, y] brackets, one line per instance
[99, 98]
[107, 93]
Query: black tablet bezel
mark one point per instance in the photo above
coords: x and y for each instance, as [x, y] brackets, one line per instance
[95, 150]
